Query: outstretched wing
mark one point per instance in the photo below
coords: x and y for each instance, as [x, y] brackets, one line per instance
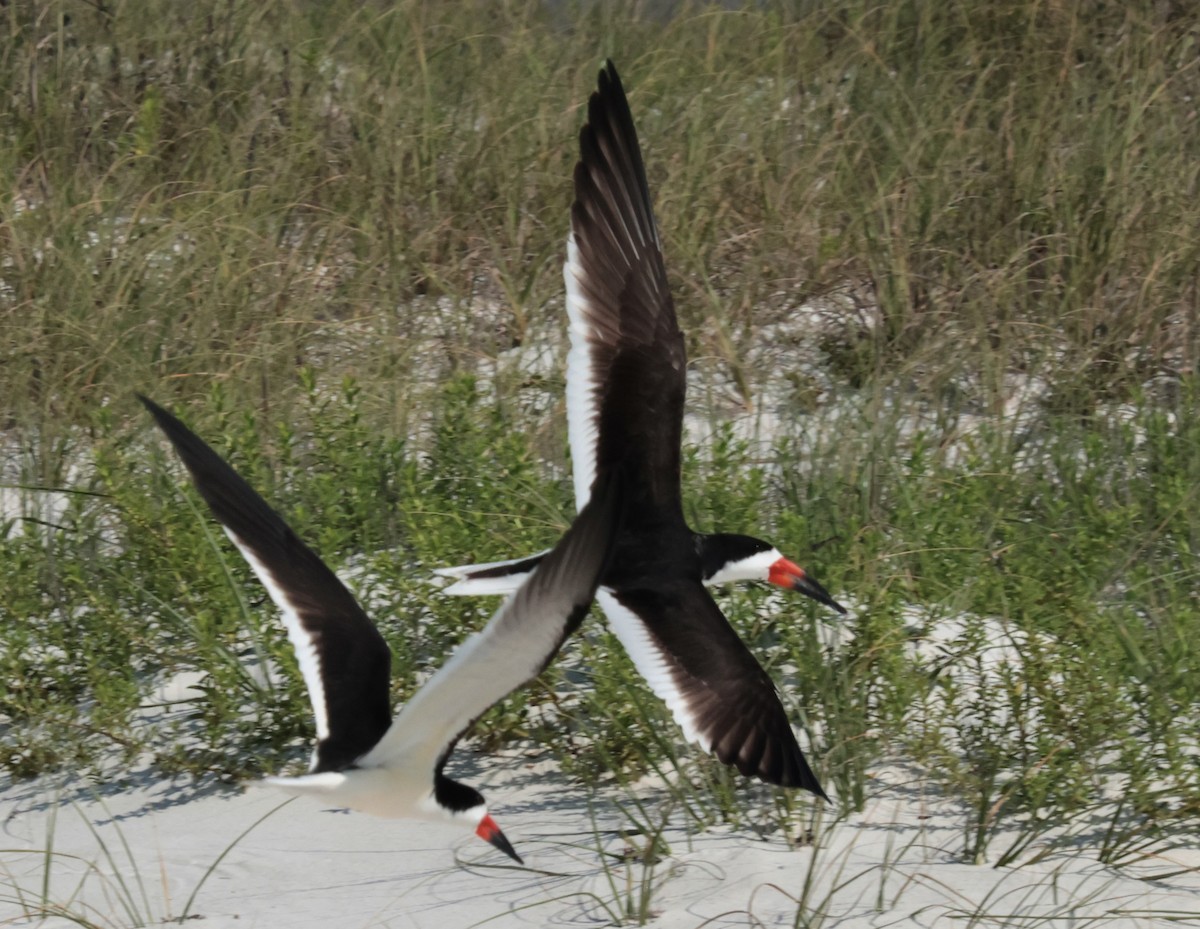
[344, 660]
[516, 644]
[693, 660]
[626, 374]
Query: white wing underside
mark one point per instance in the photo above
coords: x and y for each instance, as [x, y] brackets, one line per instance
[649, 659]
[652, 663]
[584, 384]
[303, 644]
[583, 381]
[510, 650]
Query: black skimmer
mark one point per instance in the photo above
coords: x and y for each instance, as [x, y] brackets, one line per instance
[626, 377]
[364, 759]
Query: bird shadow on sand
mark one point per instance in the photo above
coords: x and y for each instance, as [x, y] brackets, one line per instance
[154, 793]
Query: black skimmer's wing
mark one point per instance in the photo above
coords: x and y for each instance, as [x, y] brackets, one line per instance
[626, 380]
[626, 374]
[626, 370]
[519, 641]
[693, 660]
[344, 660]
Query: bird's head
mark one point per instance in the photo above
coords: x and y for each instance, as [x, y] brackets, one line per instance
[465, 805]
[728, 557]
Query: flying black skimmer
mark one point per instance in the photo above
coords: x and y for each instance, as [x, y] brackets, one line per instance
[364, 759]
[626, 377]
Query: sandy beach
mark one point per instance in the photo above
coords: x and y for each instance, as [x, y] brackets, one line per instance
[136, 854]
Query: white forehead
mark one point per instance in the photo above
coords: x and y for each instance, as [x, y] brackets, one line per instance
[754, 567]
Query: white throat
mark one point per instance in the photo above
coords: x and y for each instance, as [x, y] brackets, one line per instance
[753, 568]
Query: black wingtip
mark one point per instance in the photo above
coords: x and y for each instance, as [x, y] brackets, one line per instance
[197, 454]
[809, 782]
[608, 79]
[789, 769]
[232, 500]
[609, 95]
[149, 404]
[174, 428]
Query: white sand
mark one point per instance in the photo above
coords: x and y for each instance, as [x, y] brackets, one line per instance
[135, 855]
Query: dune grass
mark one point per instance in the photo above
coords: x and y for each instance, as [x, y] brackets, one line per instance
[944, 255]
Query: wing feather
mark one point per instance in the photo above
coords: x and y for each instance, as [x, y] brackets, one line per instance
[717, 692]
[626, 372]
[344, 660]
[516, 644]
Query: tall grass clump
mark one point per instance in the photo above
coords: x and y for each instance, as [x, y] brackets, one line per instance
[936, 264]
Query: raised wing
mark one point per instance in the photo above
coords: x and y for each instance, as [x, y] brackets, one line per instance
[345, 662]
[516, 644]
[692, 659]
[626, 372]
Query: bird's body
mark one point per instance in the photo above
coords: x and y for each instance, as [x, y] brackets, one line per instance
[391, 790]
[626, 381]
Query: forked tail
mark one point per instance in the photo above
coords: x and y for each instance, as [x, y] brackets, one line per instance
[494, 577]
